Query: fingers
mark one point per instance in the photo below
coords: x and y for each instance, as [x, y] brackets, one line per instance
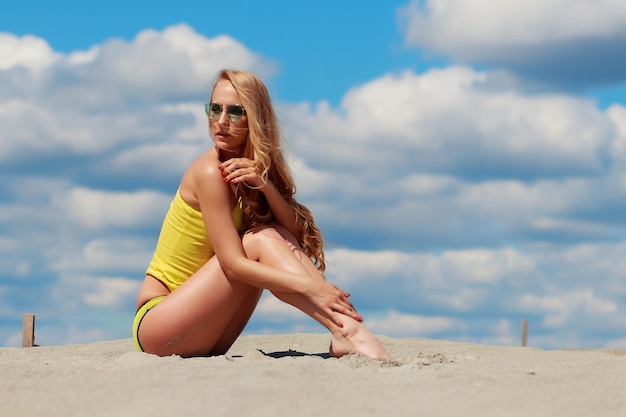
[235, 163]
[238, 170]
[350, 312]
[340, 312]
[344, 306]
[334, 302]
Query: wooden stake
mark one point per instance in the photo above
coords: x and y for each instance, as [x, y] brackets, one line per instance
[28, 334]
[524, 332]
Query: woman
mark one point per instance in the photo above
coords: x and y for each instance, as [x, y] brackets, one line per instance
[232, 230]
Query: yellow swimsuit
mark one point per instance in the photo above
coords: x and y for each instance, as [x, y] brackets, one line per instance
[183, 247]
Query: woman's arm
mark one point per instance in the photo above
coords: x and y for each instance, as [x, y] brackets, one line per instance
[281, 210]
[214, 198]
[240, 170]
[203, 186]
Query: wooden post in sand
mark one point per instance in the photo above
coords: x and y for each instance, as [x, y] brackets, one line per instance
[28, 333]
[524, 332]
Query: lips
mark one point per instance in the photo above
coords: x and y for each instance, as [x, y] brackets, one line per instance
[221, 134]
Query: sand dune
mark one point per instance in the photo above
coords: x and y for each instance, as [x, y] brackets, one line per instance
[292, 375]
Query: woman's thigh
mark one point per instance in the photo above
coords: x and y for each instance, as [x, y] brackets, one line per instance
[191, 320]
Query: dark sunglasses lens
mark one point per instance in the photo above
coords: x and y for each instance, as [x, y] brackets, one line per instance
[235, 112]
[214, 110]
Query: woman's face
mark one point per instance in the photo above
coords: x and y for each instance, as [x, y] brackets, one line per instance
[228, 124]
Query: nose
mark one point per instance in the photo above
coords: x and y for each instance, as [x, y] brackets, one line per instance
[223, 119]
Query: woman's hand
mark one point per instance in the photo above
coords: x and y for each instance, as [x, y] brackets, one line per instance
[244, 171]
[241, 170]
[332, 300]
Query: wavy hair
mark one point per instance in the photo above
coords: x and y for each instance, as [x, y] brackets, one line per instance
[263, 148]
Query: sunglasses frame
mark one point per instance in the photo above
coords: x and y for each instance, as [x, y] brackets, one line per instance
[214, 116]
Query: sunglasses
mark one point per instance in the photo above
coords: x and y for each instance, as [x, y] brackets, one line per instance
[234, 111]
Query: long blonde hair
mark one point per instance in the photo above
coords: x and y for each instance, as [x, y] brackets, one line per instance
[263, 147]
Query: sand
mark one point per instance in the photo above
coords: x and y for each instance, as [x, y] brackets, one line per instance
[292, 375]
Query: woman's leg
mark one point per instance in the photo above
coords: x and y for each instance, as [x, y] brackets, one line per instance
[275, 246]
[202, 317]
[207, 313]
[238, 322]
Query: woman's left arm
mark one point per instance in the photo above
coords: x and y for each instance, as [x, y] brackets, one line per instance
[281, 210]
[242, 171]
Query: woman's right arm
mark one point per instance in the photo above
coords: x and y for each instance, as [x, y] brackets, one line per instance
[214, 199]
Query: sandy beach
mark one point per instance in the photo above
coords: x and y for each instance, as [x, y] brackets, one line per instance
[292, 375]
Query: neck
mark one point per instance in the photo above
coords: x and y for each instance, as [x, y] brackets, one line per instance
[225, 155]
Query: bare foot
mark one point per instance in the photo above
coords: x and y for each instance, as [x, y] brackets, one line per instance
[355, 338]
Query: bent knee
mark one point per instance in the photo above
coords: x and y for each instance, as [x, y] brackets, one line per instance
[267, 231]
[260, 237]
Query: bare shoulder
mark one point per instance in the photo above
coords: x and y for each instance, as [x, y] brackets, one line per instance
[202, 174]
[205, 164]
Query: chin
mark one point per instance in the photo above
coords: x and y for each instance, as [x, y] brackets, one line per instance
[225, 147]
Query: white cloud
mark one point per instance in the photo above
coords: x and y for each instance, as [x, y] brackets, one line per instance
[351, 266]
[271, 308]
[396, 324]
[486, 266]
[472, 23]
[142, 158]
[568, 308]
[455, 280]
[474, 203]
[31, 129]
[97, 209]
[407, 161]
[177, 61]
[564, 42]
[448, 119]
[89, 102]
[102, 255]
[110, 292]
[25, 52]
[576, 291]
[442, 157]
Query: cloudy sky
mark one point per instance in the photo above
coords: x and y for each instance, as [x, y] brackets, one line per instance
[465, 159]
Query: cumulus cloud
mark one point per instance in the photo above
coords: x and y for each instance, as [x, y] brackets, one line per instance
[171, 65]
[456, 280]
[100, 255]
[397, 324]
[483, 294]
[446, 120]
[561, 42]
[109, 292]
[454, 203]
[96, 209]
[562, 307]
[89, 104]
[91, 148]
[449, 155]
[26, 52]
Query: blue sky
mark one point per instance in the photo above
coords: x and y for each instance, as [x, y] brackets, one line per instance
[464, 159]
